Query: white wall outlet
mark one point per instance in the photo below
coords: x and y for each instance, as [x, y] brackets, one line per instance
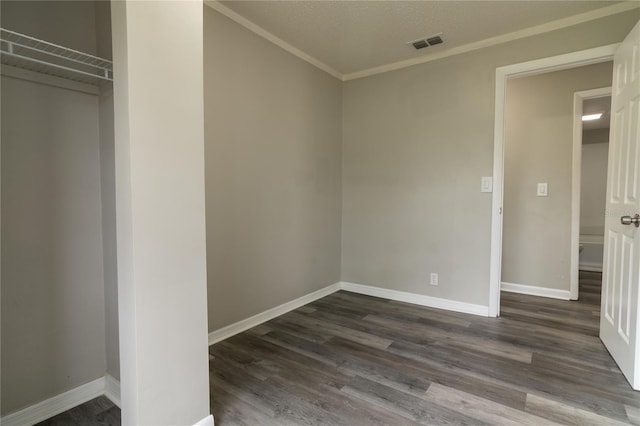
[486, 184]
[543, 189]
[434, 278]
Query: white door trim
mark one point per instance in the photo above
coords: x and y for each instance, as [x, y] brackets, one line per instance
[576, 177]
[538, 66]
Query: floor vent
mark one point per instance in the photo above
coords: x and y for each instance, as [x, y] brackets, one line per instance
[427, 41]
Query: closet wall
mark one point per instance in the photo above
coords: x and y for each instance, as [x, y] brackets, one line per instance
[57, 245]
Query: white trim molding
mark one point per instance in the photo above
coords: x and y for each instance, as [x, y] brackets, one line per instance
[538, 66]
[416, 299]
[481, 44]
[590, 267]
[495, 256]
[234, 16]
[245, 324]
[536, 291]
[56, 405]
[112, 389]
[207, 421]
[503, 38]
[400, 296]
[107, 386]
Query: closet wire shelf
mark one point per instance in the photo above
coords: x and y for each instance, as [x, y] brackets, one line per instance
[22, 51]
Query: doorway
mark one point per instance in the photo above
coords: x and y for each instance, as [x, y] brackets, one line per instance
[541, 66]
[541, 207]
[592, 112]
[619, 329]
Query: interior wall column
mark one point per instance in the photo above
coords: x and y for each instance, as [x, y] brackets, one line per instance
[159, 147]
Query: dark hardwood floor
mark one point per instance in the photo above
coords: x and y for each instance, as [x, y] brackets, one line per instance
[357, 360]
[97, 412]
[349, 359]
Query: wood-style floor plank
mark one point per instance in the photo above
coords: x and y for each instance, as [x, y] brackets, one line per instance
[96, 412]
[566, 414]
[483, 409]
[349, 359]
[540, 363]
[411, 407]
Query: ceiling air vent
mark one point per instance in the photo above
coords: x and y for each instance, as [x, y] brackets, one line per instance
[420, 44]
[434, 40]
[427, 41]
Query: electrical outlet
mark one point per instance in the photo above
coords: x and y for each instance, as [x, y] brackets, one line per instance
[434, 278]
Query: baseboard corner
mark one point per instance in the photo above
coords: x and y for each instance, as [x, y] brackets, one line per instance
[58, 404]
[112, 389]
[247, 323]
[207, 421]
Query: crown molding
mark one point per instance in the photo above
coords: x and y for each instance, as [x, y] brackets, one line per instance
[492, 41]
[217, 6]
[504, 38]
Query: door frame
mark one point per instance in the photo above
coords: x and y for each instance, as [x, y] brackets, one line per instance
[576, 181]
[538, 66]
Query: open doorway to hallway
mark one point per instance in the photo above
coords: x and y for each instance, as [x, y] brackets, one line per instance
[542, 174]
[594, 121]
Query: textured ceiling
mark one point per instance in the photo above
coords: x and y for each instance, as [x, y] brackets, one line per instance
[351, 36]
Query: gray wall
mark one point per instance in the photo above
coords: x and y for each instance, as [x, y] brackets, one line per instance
[538, 148]
[595, 136]
[593, 188]
[272, 148]
[416, 142]
[53, 328]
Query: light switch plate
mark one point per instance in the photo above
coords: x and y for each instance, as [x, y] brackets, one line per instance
[543, 189]
[486, 184]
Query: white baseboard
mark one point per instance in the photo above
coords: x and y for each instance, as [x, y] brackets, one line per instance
[107, 386]
[590, 267]
[112, 389]
[56, 405]
[401, 296]
[207, 421]
[245, 324]
[536, 291]
[417, 299]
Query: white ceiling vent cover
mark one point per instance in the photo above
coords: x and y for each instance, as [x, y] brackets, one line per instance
[428, 41]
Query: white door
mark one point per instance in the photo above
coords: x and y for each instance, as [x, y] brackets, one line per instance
[621, 269]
